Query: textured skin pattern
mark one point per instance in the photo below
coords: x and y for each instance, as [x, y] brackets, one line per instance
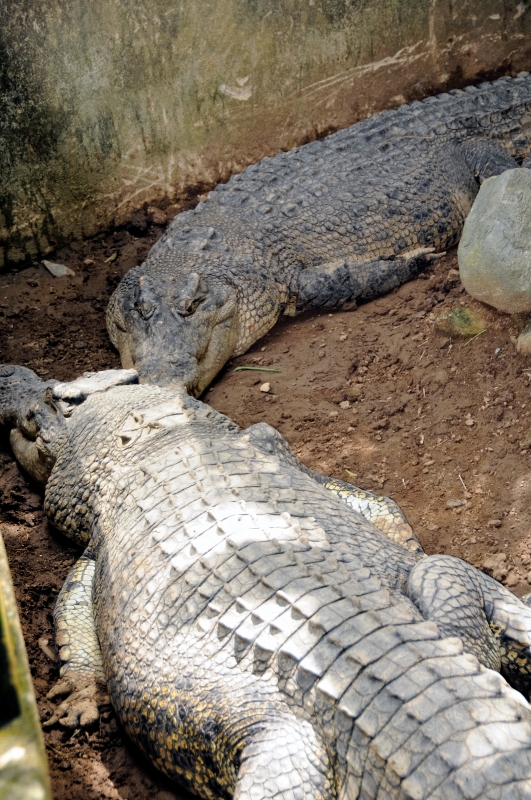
[257, 635]
[381, 511]
[347, 217]
[437, 586]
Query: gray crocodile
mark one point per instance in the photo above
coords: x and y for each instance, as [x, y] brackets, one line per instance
[320, 227]
[259, 638]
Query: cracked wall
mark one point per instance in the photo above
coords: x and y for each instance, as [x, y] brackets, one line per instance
[107, 104]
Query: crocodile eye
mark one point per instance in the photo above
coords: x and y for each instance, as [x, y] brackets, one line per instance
[193, 293]
[145, 308]
[187, 306]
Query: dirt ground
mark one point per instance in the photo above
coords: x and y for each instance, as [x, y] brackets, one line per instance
[376, 396]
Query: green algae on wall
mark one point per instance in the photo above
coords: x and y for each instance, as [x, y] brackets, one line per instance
[109, 104]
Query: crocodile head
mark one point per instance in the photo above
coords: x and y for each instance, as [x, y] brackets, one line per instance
[174, 329]
[32, 421]
[36, 412]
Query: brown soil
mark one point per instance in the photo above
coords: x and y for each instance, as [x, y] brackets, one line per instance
[440, 425]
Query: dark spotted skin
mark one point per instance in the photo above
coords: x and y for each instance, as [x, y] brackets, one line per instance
[336, 220]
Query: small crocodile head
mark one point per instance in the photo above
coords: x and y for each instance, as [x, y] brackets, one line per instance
[174, 329]
[32, 421]
[36, 412]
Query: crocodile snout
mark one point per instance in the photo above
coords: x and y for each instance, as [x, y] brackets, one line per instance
[181, 373]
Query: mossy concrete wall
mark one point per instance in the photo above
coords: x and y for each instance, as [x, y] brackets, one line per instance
[107, 104]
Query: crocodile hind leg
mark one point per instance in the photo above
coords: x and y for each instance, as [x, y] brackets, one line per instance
[81, 671]
[285, 761]
[492, 623]
[333, 284]
[487, 158]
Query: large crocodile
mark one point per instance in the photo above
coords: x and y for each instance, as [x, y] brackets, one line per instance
[258, 637]
[345, 218]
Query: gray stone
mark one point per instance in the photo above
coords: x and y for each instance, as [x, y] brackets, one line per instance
[495, 250]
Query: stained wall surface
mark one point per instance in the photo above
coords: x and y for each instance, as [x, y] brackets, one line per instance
[107, 104]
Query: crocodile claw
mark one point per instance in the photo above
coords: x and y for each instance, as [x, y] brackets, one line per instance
[81, 709]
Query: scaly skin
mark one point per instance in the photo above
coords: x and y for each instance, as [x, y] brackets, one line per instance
[345, 218]
[259, 638]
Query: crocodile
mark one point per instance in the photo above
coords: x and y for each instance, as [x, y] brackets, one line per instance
[257, 636]
[322, 226]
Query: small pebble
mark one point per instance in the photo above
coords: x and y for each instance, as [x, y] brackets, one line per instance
[513, 578]
[494, 523]
[157, 215]
[495, 565]
[455, 503]
[345, 404]
[265, 387]
[80, 345]
[334, 414]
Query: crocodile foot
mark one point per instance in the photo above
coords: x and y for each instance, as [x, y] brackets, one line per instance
[81, 709]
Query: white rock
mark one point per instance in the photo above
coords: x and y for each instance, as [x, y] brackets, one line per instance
[495, 250]
[265, 387]
[58, 270]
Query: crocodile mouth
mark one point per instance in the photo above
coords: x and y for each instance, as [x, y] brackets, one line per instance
[171, 374]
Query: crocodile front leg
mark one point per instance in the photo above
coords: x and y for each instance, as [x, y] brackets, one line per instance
[334, 284]
[81, 670]
[377, 509]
